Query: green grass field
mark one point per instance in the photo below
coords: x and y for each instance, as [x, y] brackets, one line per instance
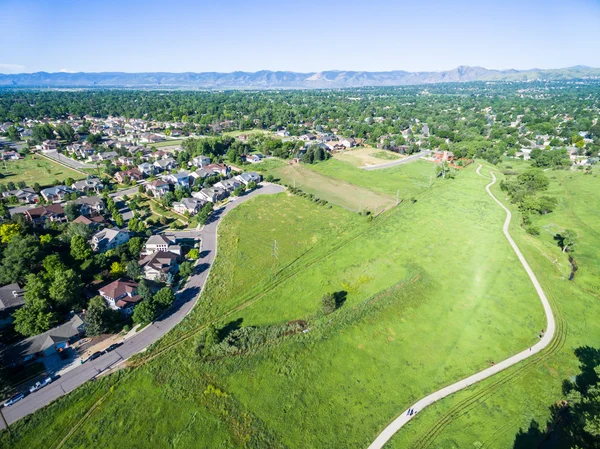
[344, 184]
[33, 168]
[433, 293]
[493, 413]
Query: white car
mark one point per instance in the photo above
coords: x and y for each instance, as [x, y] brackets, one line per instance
[40, 385]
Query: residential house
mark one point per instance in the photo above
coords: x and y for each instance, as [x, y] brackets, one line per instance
[132, 174]
[125, 160]
[56, 194]
[199, 175]
[158, 188]
[425, 130]
[10, 156]
[49, 145]
[146, 169]
[156, 266]
[307, 137]
[189, 205]
[121, 295]
[228, 184]
[161, 242]
[46, 344]
[212, 194]
[348, 142]
[93, 222]
[90, 205]
[38, 216]
[109, 239]
[11, 299]
[165, 164]
[248, 177]
[181, 179]
[199, 161]
[443, 156]
[218, 169]
[254, 158]
[26, 195]
[88, 185]
[108, 155]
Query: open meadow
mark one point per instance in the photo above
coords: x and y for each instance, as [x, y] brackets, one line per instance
[428, 293]
[34, 168]
[512, 409]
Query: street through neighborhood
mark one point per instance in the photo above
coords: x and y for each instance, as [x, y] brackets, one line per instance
[185, 300]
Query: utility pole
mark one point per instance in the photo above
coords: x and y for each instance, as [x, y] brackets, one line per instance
[4, 420]
[275, 254]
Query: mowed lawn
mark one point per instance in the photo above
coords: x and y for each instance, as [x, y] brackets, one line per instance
[336, 191]
[362, 157]
[433, 293]
[34, 168]
[511, 414]
[344, 184]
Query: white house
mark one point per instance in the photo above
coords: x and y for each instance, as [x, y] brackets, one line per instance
[109, 239]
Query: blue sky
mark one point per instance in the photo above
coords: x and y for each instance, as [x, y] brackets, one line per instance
[307, 35]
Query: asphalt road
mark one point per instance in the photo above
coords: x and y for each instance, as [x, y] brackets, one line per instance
[404, 418]
[185, 300]
[410, 158]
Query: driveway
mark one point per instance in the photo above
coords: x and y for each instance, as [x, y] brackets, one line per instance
[405, 160]
[185, 300]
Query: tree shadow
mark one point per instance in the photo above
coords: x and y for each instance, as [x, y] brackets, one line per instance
[229, 328]
[340, 298]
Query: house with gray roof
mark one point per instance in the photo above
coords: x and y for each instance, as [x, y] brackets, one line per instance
[109, 239]
[45, 344]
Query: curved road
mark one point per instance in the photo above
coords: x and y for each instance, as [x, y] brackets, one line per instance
[185, 300]
[400, 421]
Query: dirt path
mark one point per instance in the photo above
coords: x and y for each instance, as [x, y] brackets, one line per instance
[404, 418]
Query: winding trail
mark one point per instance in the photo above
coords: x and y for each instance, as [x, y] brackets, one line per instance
[401, 420]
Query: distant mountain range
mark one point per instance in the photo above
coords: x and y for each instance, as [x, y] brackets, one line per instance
[284, 80]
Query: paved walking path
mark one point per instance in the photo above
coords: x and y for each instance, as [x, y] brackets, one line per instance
[399, 422]
[185, 300]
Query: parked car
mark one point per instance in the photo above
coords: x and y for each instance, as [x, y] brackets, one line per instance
[95, 355]
[15, 398]
[40, 385]
[113, 347]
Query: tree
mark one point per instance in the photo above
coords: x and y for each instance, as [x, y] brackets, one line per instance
[13, 134]
[328, 303]
[252, 185]
[164, 298]
[186, 269]
[567, 240]
[77, 229]
[193, 254]
[144, 290]
[65, 290]
[80, 249]
[133, 270]
[96, 316]
[135, 246]
[20, 258]
[117, 269]
[36, 316]
[72, 210]
[66, 132]
[52, 264]
[9, 231]
[144, 312]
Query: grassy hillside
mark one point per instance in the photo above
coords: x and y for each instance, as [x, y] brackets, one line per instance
[431, 292]
[511, 410]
